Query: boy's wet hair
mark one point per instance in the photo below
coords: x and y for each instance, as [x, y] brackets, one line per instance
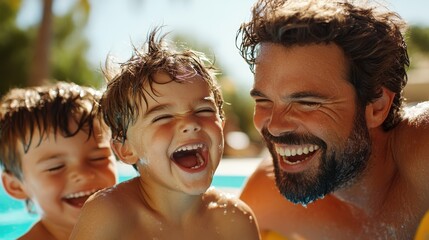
[133, 85]
[45, 109]
[370, 36]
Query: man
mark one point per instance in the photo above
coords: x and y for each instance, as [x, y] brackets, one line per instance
[328, 81]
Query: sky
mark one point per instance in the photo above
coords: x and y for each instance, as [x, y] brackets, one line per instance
[116, 24]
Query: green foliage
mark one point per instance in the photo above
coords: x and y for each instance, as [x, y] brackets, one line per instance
[418, 44]
[68, 50]
[14, 49]
[419, 39]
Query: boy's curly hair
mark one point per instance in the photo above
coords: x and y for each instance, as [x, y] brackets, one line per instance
[133, 85]
[45, 109]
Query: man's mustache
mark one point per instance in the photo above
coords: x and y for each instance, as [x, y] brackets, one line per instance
[291, 138]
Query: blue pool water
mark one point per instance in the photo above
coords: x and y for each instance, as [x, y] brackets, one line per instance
[14, 219]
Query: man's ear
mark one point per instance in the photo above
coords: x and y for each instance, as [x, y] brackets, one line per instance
[377, 111]
[13, 186]
[124, 151]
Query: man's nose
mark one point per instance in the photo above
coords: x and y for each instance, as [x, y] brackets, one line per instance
[281, 121]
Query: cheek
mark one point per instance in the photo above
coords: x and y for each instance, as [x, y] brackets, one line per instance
[110, 173]
[44, 189]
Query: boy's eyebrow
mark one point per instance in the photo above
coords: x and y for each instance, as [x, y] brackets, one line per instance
[156, 108]
[163, 107]
[49, 157]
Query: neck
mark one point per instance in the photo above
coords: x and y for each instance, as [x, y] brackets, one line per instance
[169, 204]
[369, 192]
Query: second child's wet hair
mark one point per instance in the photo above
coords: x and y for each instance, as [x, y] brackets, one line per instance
[46, 109]
[129, 89]
[371, 38]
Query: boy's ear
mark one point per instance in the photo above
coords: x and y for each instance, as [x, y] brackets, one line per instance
[377, 111]
[124, 151]
[13, 186]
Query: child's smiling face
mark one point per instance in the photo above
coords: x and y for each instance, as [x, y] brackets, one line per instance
[61, 173]
[178, 135]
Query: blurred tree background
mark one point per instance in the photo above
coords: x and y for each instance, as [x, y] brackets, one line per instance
[56, 48]
[53, 49]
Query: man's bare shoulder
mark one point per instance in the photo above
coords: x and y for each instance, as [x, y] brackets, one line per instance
[410, 148]
[411, 137]
[275, 213]
[261, 182]
[418, 115]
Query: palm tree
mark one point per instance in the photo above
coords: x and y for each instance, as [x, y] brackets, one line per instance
[40, 66]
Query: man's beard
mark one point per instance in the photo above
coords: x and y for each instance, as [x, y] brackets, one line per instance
[339, 166]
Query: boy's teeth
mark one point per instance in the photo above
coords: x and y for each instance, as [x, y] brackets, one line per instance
[190, 147]
[80, 194]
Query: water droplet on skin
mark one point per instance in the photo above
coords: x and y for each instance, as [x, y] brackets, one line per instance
[213, 205]
[251, 218]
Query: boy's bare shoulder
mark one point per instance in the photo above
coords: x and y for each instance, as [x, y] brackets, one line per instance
[117, 197]
[225, 203]
[111, 208]
[37, 231]
[227, 209]
[221, 200]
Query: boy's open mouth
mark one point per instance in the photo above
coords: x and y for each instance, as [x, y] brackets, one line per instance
[79, 198]
[191, 157]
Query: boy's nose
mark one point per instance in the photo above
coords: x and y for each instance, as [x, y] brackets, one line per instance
[191, 127]
[82, 175]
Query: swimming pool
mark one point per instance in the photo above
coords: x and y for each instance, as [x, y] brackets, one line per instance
[15, 221]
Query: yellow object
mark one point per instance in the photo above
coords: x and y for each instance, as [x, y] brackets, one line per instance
[423, 229]
[269, 235]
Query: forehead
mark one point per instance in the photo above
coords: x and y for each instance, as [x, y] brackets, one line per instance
[51, 139]
[166, 90]
[308, 64]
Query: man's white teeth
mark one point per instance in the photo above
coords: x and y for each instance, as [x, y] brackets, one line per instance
[200, 161]
[298, 150]
[190, 147]
[80, 194]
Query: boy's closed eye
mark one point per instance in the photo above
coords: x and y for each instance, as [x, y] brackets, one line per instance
[55, 168]
[161, 117]
[99, 156]
[51, 164]
[205, 111]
